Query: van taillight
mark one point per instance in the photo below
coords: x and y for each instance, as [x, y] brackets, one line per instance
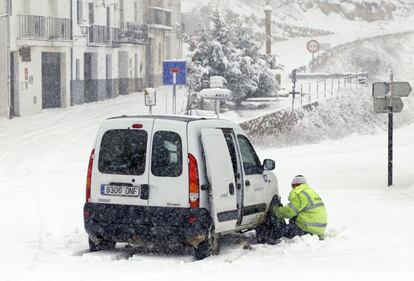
[89, 176]
[194, 190]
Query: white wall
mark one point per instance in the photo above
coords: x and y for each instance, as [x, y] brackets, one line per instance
[30, 91]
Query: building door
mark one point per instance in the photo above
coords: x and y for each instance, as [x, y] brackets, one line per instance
[12, 84]
[91, 87]
[51, 80]
[123, 72]
[109, 81]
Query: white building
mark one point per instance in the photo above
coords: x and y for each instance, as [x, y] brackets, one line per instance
[4, 93]
[67, 52]
[164, 22]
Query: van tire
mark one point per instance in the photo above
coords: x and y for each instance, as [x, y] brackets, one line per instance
[210, 246]
[101, 246]
[273, 228]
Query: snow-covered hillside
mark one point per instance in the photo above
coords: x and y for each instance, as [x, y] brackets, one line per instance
[311, 18]
[288, 10]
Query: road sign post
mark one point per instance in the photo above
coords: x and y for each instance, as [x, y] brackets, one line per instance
[313, 47]
[174, 73]
[387, 99]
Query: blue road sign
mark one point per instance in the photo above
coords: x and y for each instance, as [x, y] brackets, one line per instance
[174, 66]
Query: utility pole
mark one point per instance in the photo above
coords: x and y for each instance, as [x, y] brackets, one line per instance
[268, 13]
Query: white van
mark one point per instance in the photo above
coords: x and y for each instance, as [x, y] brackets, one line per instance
[177, 180]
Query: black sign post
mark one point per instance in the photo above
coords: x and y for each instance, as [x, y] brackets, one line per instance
[390, 132]
[387, 99]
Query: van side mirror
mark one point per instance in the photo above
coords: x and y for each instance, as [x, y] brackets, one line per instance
[269, 165]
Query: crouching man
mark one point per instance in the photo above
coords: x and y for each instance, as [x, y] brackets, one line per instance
[306, 211]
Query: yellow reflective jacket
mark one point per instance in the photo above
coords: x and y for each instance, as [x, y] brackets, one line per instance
[308, 209]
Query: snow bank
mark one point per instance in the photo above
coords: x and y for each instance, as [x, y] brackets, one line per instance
[335, 118]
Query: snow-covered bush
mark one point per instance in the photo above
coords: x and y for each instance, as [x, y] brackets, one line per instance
[232, 51]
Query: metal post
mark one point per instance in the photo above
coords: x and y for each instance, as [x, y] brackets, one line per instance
[268, 20]
[332, 87]
[339, 85]
[150, 110]
[390, 132]
[324, 88]
[174, 93]
[218, 109]
[310, 93]
[166, 103]
[301, 94]
[317, 90]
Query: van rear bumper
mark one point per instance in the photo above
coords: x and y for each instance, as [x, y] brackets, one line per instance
[137, 224]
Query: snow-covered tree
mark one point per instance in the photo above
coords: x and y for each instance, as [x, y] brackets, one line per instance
[231, 51]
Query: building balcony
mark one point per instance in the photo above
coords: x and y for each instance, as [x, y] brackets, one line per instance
[133, 33]
[100, 35]
[159, 18]
[44, 28]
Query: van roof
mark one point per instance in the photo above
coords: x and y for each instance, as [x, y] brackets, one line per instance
[163, 117]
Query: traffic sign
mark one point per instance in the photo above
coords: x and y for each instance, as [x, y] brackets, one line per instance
[313, 46]
[399, 89]
[381, 105]
[175, 69]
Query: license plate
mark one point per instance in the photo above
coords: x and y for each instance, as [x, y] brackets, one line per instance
[119, 190]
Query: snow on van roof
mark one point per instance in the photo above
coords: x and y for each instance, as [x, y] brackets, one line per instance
[181, 118]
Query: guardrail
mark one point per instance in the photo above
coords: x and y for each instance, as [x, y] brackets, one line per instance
[312, 87]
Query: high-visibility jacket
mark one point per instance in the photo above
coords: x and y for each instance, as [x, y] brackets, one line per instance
[308, 209]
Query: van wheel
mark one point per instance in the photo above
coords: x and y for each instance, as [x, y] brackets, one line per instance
[273, 228]
[210, 246]
[101, 246]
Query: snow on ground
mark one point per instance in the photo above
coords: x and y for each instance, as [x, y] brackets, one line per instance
[43, 161]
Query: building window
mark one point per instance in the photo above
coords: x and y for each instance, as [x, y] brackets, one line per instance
[91, 14]
[136, 11]
[79, 11]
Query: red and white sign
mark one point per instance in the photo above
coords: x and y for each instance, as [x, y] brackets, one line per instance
[313, 46]
[175, 70]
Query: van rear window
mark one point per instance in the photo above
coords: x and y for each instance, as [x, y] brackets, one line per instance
[123, 152]
[167, 155]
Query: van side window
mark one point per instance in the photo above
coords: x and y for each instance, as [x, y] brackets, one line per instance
[123, 152]
[232, 151]
[251, 162]
[167, 155]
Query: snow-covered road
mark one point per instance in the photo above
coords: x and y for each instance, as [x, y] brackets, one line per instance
[43, 161]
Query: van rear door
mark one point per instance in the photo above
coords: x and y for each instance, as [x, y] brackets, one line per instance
[121, 162]
[168, 171]
[220, 174]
